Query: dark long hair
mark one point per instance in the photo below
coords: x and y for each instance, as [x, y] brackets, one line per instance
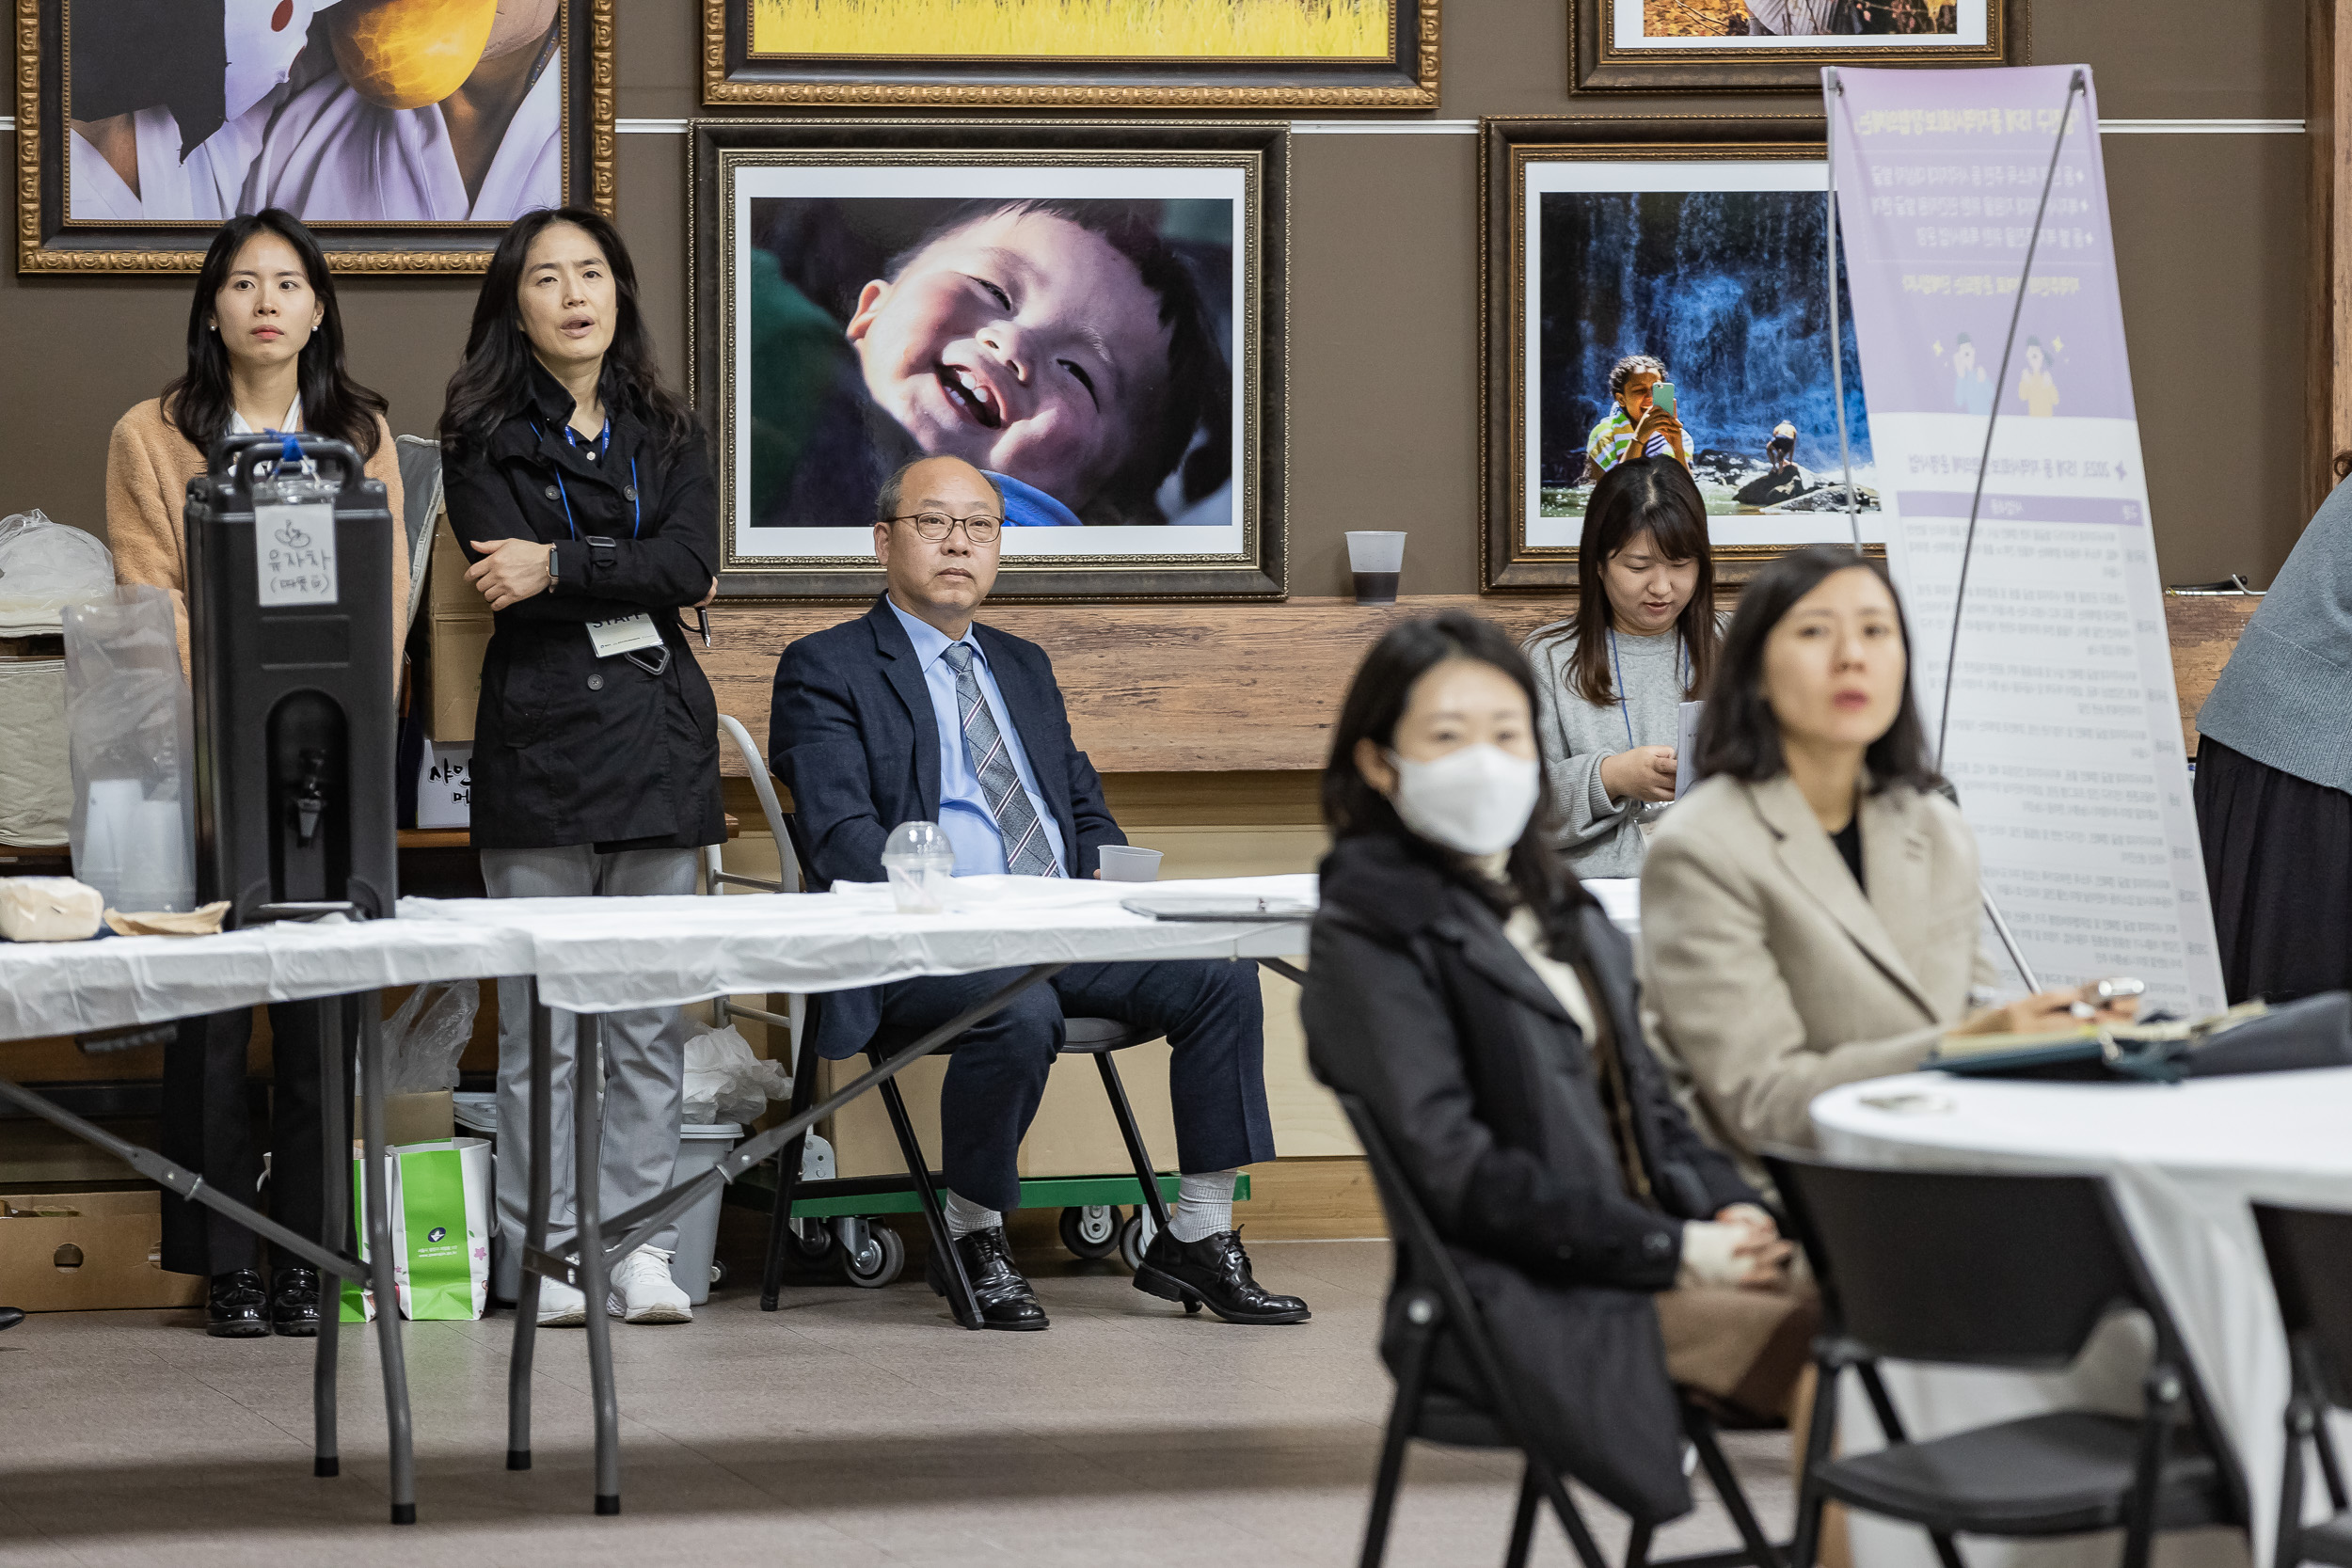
[494, 383]
[199, 401]
[1738, 734]
[1653, 496]
[1375, 703]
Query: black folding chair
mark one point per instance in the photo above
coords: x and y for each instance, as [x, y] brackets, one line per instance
[2010, 1270]
[1094, 1036]
[1436, 1304]
[2311, 1270]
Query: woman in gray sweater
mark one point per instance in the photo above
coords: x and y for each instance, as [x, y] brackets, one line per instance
[1612, 677]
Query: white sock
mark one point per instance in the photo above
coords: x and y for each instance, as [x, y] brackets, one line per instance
[966, 1217]
[1204, 1205]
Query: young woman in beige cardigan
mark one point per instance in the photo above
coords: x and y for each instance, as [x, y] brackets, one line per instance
[265, 351]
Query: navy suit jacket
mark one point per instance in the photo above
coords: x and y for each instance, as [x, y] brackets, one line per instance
[852, 734]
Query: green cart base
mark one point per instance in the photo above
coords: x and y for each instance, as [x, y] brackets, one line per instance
[833, 1220]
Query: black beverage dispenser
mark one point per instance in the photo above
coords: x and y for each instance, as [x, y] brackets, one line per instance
[289, 611]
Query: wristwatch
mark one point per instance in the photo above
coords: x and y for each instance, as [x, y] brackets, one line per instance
[551, 573]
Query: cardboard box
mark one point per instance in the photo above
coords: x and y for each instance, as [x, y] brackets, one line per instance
[413, 1119]
[88, 1252]
[457, 631]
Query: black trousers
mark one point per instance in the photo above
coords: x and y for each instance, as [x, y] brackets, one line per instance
[2279, 865]
[207, 1127]
[1209, 1010]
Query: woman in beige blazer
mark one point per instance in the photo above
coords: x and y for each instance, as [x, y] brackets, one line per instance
[1809, 911]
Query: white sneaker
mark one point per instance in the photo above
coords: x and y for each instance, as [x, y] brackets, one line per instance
[560, 1305]
[643, 1292]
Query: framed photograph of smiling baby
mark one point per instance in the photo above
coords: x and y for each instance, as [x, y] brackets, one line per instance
[1089, 311]
[1214, 56]
[1659, 282]
[406, 134]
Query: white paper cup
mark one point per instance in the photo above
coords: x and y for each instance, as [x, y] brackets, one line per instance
[1125, 862]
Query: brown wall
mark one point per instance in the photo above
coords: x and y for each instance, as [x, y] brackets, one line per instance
[2210, 231]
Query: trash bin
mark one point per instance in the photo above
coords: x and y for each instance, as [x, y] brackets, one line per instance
[701, 1146]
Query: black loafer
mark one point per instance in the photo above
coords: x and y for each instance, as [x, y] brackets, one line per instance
[10, 1316]
[1214, 1273]
[1005, 1297]
[239, 1307]
[294, 1302]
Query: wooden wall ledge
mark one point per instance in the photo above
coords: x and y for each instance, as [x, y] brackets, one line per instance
[1245, 688]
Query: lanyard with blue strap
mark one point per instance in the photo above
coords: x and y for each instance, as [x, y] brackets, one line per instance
[637, 521]
[604, 444]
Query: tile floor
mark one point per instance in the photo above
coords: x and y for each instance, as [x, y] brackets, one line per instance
[853, 1427]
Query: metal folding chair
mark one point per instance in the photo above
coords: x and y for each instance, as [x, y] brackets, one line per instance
[2311, 1270]
[1437, 1303]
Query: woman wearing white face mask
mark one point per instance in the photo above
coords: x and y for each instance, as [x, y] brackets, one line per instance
[1477, 1000]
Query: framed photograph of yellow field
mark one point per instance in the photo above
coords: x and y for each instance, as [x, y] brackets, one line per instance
[1100, 54]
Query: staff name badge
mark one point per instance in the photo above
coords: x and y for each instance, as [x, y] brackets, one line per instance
[628, 634]
[293, 553]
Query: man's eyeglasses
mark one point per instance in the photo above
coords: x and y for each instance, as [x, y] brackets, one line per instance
[979, 527]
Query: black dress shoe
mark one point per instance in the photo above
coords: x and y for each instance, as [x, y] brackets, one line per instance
[1005, 1297]
[294, 1302]
[239, 1309]
[10, 1316]
[1214, 1273]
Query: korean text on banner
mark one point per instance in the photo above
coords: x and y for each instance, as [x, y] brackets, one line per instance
[2065, 737]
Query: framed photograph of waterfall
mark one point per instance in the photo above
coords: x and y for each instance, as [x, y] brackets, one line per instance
[1626, 257]
[1753, 45]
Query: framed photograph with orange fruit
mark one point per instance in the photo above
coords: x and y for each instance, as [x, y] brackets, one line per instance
[406, 133]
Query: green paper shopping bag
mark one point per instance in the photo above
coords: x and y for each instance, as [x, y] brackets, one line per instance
[440, 1222]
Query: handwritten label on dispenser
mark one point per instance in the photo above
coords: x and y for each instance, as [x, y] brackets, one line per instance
[293, 553]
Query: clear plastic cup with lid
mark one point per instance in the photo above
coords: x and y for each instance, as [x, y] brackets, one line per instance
[921, 863]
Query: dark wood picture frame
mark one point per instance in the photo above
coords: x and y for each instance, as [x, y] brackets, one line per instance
[1407, 79]
[1259, 463]
[1597, 64]
[46, 242]
[1507, 147]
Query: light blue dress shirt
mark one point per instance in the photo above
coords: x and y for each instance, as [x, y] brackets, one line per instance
[963, 813]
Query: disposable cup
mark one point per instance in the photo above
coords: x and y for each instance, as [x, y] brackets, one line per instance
[1125, 862]
[1377, 559]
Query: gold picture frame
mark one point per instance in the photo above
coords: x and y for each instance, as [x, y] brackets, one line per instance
[49, 241]
[1407, 78]
[1509, 557]
[1600, 60]
[1231, 544]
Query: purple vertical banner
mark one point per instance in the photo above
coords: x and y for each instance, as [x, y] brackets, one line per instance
[2064, 733]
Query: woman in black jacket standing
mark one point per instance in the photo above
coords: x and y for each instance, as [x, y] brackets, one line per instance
[582, 488]
[1477, 1000]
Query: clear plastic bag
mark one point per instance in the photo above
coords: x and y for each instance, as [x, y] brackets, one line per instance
[725, 1082]
[424, 1038]
[131, 741]
[44, 566]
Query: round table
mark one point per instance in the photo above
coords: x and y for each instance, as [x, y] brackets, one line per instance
[2185, 1161]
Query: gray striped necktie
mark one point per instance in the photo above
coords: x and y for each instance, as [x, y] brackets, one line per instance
[1027, 852]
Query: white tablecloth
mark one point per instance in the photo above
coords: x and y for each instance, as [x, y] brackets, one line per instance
[64, 988]
[595, 954]
[599, 955]
[2185, 1159]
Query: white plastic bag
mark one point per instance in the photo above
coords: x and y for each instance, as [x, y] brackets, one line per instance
[44, 566]
[725, 1082]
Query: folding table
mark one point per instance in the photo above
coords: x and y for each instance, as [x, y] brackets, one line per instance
[72, 987]
[595, 955]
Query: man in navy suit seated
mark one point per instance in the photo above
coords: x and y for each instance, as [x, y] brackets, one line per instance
[912, 713]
